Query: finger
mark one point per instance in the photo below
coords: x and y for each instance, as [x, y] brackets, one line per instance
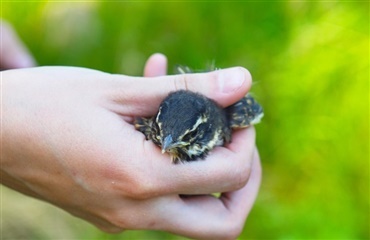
[13, 53]
[224, 170]
[156, 65]
[198, 217]
[142, 96]
[240, 202]
[222, 218]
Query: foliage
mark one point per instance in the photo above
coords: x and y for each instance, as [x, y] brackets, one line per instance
[310, 65]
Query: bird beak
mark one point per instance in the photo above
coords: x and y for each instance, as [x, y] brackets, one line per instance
[167, 143]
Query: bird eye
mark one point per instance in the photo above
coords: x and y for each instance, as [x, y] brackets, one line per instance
[190, 136]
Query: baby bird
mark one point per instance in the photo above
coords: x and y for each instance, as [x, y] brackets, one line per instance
[188, 125]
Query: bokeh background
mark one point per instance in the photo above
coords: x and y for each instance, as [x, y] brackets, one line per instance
[310, 65]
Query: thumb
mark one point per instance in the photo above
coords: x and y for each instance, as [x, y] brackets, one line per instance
[142, 96]
[156, 65]
[14, 53]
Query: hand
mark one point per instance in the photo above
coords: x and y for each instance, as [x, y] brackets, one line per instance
[13, 53]
[67, 138]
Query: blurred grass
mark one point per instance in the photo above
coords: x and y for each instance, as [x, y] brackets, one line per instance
[310, 64]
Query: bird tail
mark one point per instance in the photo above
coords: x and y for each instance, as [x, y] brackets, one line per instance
[244, 113]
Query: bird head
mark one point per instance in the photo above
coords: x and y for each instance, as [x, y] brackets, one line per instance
[182, 121]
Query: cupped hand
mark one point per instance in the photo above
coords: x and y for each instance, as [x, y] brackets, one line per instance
[67, 138]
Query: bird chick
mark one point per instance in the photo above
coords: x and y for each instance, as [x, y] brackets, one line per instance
[188, 125]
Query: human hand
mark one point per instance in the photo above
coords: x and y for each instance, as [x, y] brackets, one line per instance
[157, 66]
[67, 138]
[13, 53]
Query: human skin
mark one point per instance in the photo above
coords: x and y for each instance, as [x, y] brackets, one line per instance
[14, 54]
[67, 138]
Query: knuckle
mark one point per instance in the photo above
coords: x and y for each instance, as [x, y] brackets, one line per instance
[229, 228]
[131, 182]
[140, 187]
[242, 176]
[180, 82]
[232, 230]
[131, 218]
[120, 222]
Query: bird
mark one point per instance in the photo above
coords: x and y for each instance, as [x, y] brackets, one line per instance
[188, 125]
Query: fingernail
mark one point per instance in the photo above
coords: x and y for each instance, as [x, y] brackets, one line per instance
[230, 80]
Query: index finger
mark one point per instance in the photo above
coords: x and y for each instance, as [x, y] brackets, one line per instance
[225, 169]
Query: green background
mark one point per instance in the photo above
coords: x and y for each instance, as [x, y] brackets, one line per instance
[310, 66]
